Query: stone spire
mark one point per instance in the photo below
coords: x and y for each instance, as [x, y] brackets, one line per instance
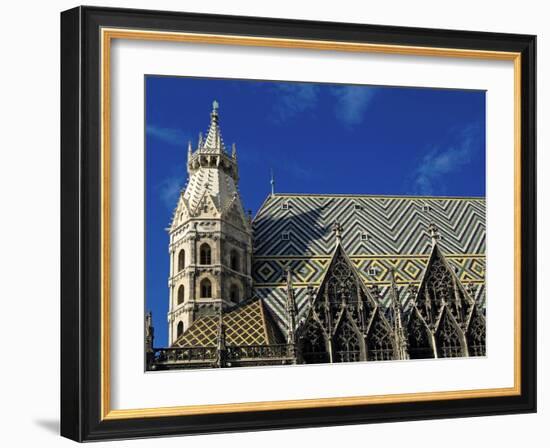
[209, 222]
[212, 171]
[221, 341]
[213, 142]
[149, 338]
[290, 307]
[397, 314]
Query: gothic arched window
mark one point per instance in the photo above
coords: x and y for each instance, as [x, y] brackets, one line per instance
[313, 346]
[340, 283]
[476, 334]
[180, 329]
[181, 260]
[420, 346]
[205, 254]
[379, 342]
[347, 347]
[234, 293]
[234, 260]
[181, 294]
[448, 339]
[206, 288]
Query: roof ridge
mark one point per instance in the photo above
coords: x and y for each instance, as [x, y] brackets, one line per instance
[373, 196]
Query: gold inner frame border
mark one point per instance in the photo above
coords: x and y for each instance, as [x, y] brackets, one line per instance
[107, 36]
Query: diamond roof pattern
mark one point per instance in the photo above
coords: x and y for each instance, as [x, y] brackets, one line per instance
[247, 324]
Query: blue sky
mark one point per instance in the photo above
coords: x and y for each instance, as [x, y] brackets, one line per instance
[317, 138]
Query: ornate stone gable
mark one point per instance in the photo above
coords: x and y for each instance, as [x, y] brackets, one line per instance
[234, 214]
[344, 322]
[440, 287]
[445, 320]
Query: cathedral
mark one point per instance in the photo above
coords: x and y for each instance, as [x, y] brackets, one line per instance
[316, 278]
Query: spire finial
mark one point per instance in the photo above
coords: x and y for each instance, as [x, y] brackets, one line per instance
[290, 308]
[337, 229]
[189, 150]
[289, 277]
[213, 143]
[220, 361]
[234, 151]
[309, 294]
[272, 182]
[149, 338]
[434, 233]
[397, 315]
[471, 290]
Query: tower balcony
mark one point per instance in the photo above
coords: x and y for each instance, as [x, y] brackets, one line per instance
[213, 160]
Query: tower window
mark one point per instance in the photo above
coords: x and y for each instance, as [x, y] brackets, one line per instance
[181, 260]
[285, 236]
[206, 289]
[181, 294]
[372, 272]
[234, 293]
[180, 328]
[234, 260]
[358, 207]
[285, 206]
[205, 254]
[426, 208]
[364, 236]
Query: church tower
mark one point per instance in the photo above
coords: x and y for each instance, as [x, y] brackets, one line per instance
[210, 236]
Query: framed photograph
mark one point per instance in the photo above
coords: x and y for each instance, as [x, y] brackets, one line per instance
[275, 224]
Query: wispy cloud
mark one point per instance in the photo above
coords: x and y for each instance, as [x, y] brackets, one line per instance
[294, 99]
[299, 172]
[169, 190]
[172, 136]
[352, 102]
[441, 161]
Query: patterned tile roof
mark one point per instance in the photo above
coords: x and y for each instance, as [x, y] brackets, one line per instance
[380, 233]
[247, 324]
[209, 179]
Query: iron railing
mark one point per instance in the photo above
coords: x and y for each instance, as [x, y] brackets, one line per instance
[234, 353]
[242, 352]
[183, 354]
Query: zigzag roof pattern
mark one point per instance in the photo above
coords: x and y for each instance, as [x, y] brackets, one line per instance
[380, 233]
[393, 225]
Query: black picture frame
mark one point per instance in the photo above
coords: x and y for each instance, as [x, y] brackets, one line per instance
[81, 224]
